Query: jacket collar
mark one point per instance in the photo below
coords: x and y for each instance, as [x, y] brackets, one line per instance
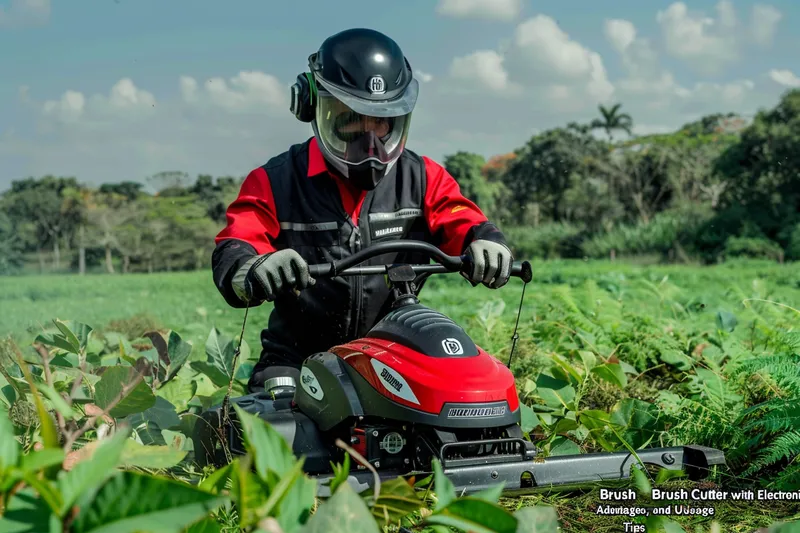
[316, 161]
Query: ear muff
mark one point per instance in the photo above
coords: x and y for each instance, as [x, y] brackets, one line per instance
[304, 97]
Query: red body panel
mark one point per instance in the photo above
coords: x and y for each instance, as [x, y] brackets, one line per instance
[433, 380]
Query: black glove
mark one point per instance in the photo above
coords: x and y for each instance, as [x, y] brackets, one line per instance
[491, 264]
[268, 275]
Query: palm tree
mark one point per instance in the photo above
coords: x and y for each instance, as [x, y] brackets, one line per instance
[612, 120]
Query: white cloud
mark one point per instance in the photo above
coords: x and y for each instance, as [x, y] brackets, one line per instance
[505, 10]
[542, 60]
[620, 33]
[711, 44]
[223, 126]
[703, 41]
[765, 23]
[25, 13]
[245, 92]
[482, 66]
[785, 77]
[488, 101]
[652, 92]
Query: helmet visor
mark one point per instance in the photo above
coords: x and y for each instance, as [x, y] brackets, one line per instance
[354, 138]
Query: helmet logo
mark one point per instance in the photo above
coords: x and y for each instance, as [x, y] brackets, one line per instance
[377, 85]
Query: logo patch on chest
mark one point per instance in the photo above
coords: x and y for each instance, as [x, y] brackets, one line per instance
[388, 231]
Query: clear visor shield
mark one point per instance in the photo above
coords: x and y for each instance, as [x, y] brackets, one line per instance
[354, 138]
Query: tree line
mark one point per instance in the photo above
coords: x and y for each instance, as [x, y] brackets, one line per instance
[716, 188]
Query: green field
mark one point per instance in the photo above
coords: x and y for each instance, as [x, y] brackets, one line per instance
[699, 346]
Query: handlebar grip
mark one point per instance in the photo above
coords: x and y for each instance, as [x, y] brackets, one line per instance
[321, 270]
[522, 270]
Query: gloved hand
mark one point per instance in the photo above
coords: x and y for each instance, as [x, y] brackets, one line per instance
[270, 274]
[491, 264]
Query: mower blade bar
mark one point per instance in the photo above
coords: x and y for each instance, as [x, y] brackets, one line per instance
[562, 470]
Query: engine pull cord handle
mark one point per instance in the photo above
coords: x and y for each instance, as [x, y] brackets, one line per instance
[515, 336]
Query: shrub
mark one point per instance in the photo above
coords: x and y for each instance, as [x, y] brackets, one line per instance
[793, 248]
[547, 241]
[753, 247]
[661, 235]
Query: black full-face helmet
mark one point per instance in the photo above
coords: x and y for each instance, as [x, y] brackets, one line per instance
[359, 97]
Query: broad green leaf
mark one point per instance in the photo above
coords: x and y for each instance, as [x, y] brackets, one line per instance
[299, 510]
[58, 401]
[46, 489]
[86, 476]
[220, 351]
[442, 486]
[47, 426]
[555, 392]
[612, 373]
[678, 359]
[643, 484]
[344, 512]
[596, 422]
[638, 420]
[155, 457]
[162, 414]
[663, 525]
[178, 351]
[475, 516]
[568, 423]
[9, 447]
[295, 507]
[248, 492]
[111, 385]
[9, 394]
[178, 391]
[537, 519]
[42, 459]
[726, 321]
[564, 446]
[55, 340]
[529, 421]
[130, 503]
[176, 440]
[589, 359]
[665, 474]
[269, 448]
[783, 527]
[492, 494]
[27, 513]
[237, 389]
[76, 333]
[212, 372]
[566, 368]
[396, 500]
[207, 525]
[217, 481]
[244, 370]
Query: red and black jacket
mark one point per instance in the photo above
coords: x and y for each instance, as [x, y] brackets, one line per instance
[294, 202]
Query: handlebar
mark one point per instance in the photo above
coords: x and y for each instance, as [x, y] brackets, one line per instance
[446, 263]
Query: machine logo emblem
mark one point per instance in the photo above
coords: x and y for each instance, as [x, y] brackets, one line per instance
[476, 412]
[377, 85]
[452, 346]
[310, 384]
[393, 381]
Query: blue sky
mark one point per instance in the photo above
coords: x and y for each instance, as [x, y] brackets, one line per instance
[540, 64]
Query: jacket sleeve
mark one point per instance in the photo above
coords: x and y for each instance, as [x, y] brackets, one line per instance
[454, 220]
[252, 225]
